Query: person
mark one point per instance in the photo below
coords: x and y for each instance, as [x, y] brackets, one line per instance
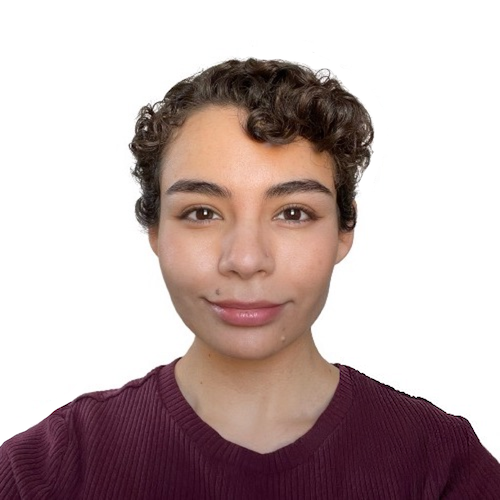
[248, 174]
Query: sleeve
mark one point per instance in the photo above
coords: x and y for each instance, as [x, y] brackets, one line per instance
[475, 473]
[39, 463]
[8, 488]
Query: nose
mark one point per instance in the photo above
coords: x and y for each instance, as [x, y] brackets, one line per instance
[246, 251]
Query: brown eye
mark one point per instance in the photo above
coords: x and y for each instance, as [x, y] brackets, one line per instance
[201, 214]
[292, 214]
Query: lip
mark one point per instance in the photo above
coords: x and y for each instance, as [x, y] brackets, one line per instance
[248, 314]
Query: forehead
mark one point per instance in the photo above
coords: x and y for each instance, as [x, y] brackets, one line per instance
[212, 144]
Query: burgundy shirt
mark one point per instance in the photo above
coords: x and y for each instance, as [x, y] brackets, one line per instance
[144, 441]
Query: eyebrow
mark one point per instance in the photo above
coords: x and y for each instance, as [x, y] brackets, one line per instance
[300, 186]
[202, 187]
[282, 189]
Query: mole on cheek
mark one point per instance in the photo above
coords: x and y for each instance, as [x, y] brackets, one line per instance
[217, 292]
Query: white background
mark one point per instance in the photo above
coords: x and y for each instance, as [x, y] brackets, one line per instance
[83, 306]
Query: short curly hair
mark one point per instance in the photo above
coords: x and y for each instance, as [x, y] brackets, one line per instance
[284, 101]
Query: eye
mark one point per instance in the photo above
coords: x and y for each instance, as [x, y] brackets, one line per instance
[295, 214]
[200, 214]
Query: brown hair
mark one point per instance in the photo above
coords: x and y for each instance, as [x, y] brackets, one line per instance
[285, 101]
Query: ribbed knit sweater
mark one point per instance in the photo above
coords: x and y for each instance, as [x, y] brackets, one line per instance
[144, 441]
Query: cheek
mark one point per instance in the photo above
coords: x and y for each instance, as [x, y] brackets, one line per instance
[184, 262]
[310, 264]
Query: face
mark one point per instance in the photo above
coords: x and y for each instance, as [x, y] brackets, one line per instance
[248, 235]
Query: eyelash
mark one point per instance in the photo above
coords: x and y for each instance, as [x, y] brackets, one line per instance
[311, 216]
[185, 215]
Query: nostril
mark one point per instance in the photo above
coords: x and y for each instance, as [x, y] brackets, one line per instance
[246, 253]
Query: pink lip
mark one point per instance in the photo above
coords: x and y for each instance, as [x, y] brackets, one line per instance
[246, 313]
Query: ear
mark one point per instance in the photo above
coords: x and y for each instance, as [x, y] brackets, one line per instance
[345, 243]
[153, 238]
[345, 239]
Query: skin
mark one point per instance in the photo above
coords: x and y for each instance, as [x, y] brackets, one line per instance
[254, 237]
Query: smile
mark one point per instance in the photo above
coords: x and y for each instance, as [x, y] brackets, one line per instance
[246, 313]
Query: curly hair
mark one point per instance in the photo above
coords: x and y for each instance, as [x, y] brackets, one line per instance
[284, 102]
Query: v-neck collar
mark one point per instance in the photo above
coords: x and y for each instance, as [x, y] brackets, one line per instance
[211, 444]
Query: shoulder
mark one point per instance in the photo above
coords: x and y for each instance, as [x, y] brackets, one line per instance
[107, 418]
[141, 389]
[388, 411]
[413, 434]
[390, 403]
[102, 411]
[50, 453]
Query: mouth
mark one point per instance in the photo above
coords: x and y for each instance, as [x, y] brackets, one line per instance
[246, 313]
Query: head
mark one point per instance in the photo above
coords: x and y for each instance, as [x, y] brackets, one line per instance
[283, 102]
[248, 174]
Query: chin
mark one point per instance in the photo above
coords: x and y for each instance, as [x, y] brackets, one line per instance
[256, 345]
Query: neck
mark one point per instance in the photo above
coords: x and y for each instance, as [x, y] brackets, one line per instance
[238, 396]
[251, 375]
